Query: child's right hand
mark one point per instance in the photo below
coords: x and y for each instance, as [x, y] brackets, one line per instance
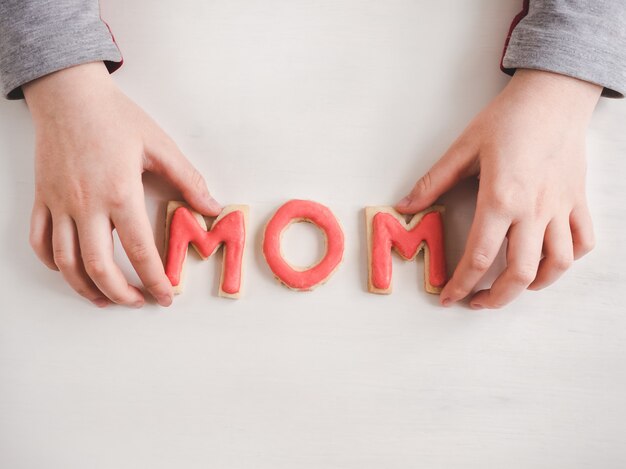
[92, 146]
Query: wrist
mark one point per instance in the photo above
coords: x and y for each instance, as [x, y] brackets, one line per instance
[555, 92]
[71, 86]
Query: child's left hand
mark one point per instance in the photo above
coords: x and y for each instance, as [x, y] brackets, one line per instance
[528, 148]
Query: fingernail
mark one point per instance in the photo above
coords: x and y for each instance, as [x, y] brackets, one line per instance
[137, 304]
[476, 306]
[165, 300]
[100, 302]
[446, 301]
[406, 201]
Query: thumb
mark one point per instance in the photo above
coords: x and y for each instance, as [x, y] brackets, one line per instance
[454, 165]
[169, 162]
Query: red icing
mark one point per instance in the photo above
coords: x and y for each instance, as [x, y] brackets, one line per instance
[388, 232]
[321, 216]
[185, 229]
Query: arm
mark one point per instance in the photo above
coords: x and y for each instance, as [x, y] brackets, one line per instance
[584, 39]
[528, 148]
[38, 37]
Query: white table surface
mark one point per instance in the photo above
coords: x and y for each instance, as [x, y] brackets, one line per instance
[345, 102]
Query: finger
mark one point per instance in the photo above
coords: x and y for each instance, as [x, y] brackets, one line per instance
[66, 257]
[41, 234]
[166, 159]
[135, 233]
[483, 244]
[96, 246]
[582, 231]
[558, 254]
[523, 256]
[454, 165]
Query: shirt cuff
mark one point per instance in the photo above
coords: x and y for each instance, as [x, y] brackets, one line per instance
[50, 51]
[571, 48]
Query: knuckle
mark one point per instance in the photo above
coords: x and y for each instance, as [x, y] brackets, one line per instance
[424, 184]
[456, 289]
[458, 292]
[118, 198]
[586, 245]
[523, 274]
[139, 253]
[506, 199]
[84, 292]
[562, 263]
[157, 287]
[540, 204]
[36, 242]
[119, 192]
[502, 202]
[80, 196]
[197, 180]
[168, 143]
[479, 261]
[117, 298]
[95, 266]
[63, 260]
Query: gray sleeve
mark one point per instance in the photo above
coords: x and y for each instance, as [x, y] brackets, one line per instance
[585, 39]
[38, 37]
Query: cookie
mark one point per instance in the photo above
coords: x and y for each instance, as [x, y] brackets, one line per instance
[387, 229]
[295, 211]
[185, 226]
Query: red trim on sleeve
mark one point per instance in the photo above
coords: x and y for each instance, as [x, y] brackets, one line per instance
[110, 65]
[519, 17]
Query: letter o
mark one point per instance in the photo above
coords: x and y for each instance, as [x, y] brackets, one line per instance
[303, 211]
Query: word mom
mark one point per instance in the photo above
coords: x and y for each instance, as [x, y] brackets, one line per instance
[387, 230]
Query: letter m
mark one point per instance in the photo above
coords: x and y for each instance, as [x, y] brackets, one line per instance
[184, 227]
[387, 229]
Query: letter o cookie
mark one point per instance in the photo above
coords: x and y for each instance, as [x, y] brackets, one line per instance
[296, 211]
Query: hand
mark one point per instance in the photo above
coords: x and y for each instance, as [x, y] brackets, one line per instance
[92, 146]
[528, 149]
